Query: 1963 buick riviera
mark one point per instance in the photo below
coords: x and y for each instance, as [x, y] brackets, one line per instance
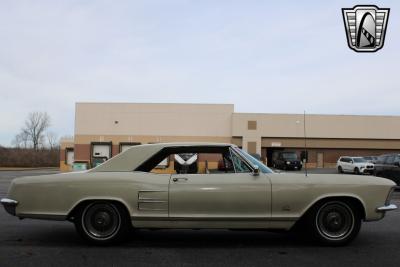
[199, 185]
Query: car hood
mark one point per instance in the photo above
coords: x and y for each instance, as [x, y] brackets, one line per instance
[338, 179]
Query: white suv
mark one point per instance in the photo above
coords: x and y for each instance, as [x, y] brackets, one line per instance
[357, 165]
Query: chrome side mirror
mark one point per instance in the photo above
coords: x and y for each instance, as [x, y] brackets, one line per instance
[256, 170]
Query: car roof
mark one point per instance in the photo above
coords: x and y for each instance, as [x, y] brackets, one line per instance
[131, 158]
[185, 144]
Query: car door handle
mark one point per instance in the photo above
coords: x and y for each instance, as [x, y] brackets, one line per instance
[179, 179]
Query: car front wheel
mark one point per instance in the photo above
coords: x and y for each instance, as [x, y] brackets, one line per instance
[340, 169]
[335, 223]
[102, 222]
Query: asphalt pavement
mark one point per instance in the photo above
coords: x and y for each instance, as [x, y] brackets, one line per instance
[48, 243]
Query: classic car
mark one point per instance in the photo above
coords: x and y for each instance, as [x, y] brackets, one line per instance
[202, 185]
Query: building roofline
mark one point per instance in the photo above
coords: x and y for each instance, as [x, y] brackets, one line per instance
[319, 114]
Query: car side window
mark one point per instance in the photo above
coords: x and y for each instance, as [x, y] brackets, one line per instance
[380, 160]
[196, 163]
[239, 165]
[389, 160]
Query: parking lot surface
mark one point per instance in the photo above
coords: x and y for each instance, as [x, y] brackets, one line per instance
[49, 243]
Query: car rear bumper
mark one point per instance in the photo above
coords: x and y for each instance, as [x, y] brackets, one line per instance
[9, 205]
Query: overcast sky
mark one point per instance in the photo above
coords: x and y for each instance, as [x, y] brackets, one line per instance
[262, 56]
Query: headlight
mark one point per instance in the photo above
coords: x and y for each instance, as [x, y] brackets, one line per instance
[287, 162]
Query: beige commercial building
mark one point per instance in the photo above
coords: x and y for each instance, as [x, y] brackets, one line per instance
[102, 130]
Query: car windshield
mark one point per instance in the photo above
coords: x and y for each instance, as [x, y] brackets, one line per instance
[289, 156]
[254, 161]
[358, 160]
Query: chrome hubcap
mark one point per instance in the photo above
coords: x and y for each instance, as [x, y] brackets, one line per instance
[335, 220]
[101, 221]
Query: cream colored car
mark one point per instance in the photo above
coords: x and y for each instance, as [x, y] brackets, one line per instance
[199, 185]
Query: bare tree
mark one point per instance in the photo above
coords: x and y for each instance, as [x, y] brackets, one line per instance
[52, 140]
[21, 140]
[35, 126]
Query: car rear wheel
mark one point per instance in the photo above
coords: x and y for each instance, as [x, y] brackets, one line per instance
[335, 223]
[340, 169]
[102, 222]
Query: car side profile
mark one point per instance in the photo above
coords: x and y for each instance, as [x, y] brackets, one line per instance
[200, 186]
[388, 166]
[356, 165]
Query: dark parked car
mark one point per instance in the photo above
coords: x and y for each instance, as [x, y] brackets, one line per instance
[286, 160]
[388, 166]
[371, 159]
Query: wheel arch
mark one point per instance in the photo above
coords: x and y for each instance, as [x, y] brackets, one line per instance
[355, 200]
[83, 202]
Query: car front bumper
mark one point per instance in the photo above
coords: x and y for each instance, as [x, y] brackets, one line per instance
[9, 205]
[387, 208]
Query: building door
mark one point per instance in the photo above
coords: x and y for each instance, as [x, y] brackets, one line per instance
[320, 160]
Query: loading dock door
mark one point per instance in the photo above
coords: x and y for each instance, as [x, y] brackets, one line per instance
[270, 152]
[125, 147]
[101, 152]
[70, 157]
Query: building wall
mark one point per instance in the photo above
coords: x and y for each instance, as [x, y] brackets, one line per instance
[153, 119]
[65, 144]
[331, 135]
[149, 123]
[329, 127]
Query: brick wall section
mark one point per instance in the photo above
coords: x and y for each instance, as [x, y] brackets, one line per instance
[115, 150]
[62, 154]
[82, 152]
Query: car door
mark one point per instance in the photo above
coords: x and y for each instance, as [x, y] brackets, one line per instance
[220, 196]
[389, 167]
[345, 164]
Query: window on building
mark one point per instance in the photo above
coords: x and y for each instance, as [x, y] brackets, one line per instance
[252, 125]
[251, 147]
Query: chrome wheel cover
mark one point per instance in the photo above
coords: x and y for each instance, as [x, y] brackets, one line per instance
[335, 220]
[101, 221]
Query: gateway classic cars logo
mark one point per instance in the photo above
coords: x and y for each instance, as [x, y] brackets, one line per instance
[365, 27]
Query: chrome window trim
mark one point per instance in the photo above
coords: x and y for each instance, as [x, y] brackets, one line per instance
[238, 154]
